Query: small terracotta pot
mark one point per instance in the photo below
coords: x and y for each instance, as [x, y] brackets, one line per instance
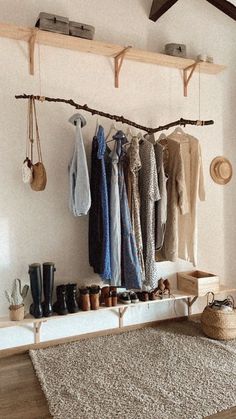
[17, 313]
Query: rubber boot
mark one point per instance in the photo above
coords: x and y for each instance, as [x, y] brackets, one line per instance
[60, 306]
[48, 281]
[36, 290]
[72, 298]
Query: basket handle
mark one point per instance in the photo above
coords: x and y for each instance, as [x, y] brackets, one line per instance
[230, 297]
[212, 296]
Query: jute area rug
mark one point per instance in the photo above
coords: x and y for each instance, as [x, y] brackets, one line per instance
[169, 372]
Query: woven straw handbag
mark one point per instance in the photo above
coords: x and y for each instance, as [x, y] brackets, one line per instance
[219, 324]
[38, 178]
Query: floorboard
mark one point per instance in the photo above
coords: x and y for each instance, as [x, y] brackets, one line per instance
[21, 396]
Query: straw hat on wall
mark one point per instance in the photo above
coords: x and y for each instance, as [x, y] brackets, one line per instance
[221, 170]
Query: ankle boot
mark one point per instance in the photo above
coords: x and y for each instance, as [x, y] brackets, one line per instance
[48, 281]
[84, 300]
[36, 290]
[60, 306]
[94, 297]
[72, 298]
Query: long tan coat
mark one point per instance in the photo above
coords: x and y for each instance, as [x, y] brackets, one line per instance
[181, 238]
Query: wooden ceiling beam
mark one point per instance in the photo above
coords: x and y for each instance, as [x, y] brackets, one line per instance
[159, 7]
[225, 6]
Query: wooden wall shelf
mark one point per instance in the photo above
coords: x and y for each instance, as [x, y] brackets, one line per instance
[34, 35]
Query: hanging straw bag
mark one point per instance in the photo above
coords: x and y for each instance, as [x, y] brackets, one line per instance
[39, 173]
[219, 324]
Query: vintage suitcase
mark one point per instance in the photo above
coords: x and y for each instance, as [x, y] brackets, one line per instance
[81, 30]
[177, 50]
[53, 23]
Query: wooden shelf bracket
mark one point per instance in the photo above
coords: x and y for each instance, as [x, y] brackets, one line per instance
[118, 64]
[190, 301]
[121, 315]
[187, 77]
[32, 40]
[37, 327]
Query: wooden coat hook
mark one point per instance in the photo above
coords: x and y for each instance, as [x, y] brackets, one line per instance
[187, 77]
[118, 63]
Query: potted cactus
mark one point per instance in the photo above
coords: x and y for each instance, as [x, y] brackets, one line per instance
[16, 300]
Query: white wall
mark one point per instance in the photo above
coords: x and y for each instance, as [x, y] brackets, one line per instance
[37, 227]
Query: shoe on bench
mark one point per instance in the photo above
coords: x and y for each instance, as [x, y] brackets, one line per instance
[124, 298]
[133, 297]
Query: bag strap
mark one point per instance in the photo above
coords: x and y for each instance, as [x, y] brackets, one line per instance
[30, 131]
[37, 132]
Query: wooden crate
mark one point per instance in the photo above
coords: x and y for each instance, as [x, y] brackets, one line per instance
[197, 282]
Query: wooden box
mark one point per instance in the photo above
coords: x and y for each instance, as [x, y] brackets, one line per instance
[81, 30]
[53, 23]
[197, 282]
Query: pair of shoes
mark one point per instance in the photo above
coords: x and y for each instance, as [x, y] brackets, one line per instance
[66, 299]
[37, 308]
[108, 296]
[163, 287]
[143, 295]
[89, 298]
[128, 297]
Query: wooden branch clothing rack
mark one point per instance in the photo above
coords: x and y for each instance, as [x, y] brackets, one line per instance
[131, 220]
[117, 118]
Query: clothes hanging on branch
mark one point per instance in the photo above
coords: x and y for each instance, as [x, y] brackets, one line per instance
[149, 195]
[80, 197]
[133, 167]
[99, 225]
[194, 187]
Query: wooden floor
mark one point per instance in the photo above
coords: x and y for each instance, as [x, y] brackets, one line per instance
[22, 398]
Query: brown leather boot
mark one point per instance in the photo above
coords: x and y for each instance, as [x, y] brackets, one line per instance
[84, 299]
[95, 297]
[104, 291]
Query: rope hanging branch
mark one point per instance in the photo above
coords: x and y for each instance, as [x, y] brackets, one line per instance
[117, 118]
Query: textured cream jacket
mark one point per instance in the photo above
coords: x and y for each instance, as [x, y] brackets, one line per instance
[186, 184]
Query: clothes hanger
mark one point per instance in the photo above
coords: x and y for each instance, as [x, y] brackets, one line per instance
[97, 126]
[178, 130]
[113, 127]
[129, 132]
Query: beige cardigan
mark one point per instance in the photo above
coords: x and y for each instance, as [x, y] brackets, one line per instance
[186, 184]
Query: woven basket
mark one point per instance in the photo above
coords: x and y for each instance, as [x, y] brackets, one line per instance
[217, 324]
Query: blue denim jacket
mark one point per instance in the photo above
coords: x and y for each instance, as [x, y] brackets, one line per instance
[80, 198]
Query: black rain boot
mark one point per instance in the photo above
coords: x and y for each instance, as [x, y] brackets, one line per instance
[60, 306]
[72, 298]
[36, 290]
[48, 281]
